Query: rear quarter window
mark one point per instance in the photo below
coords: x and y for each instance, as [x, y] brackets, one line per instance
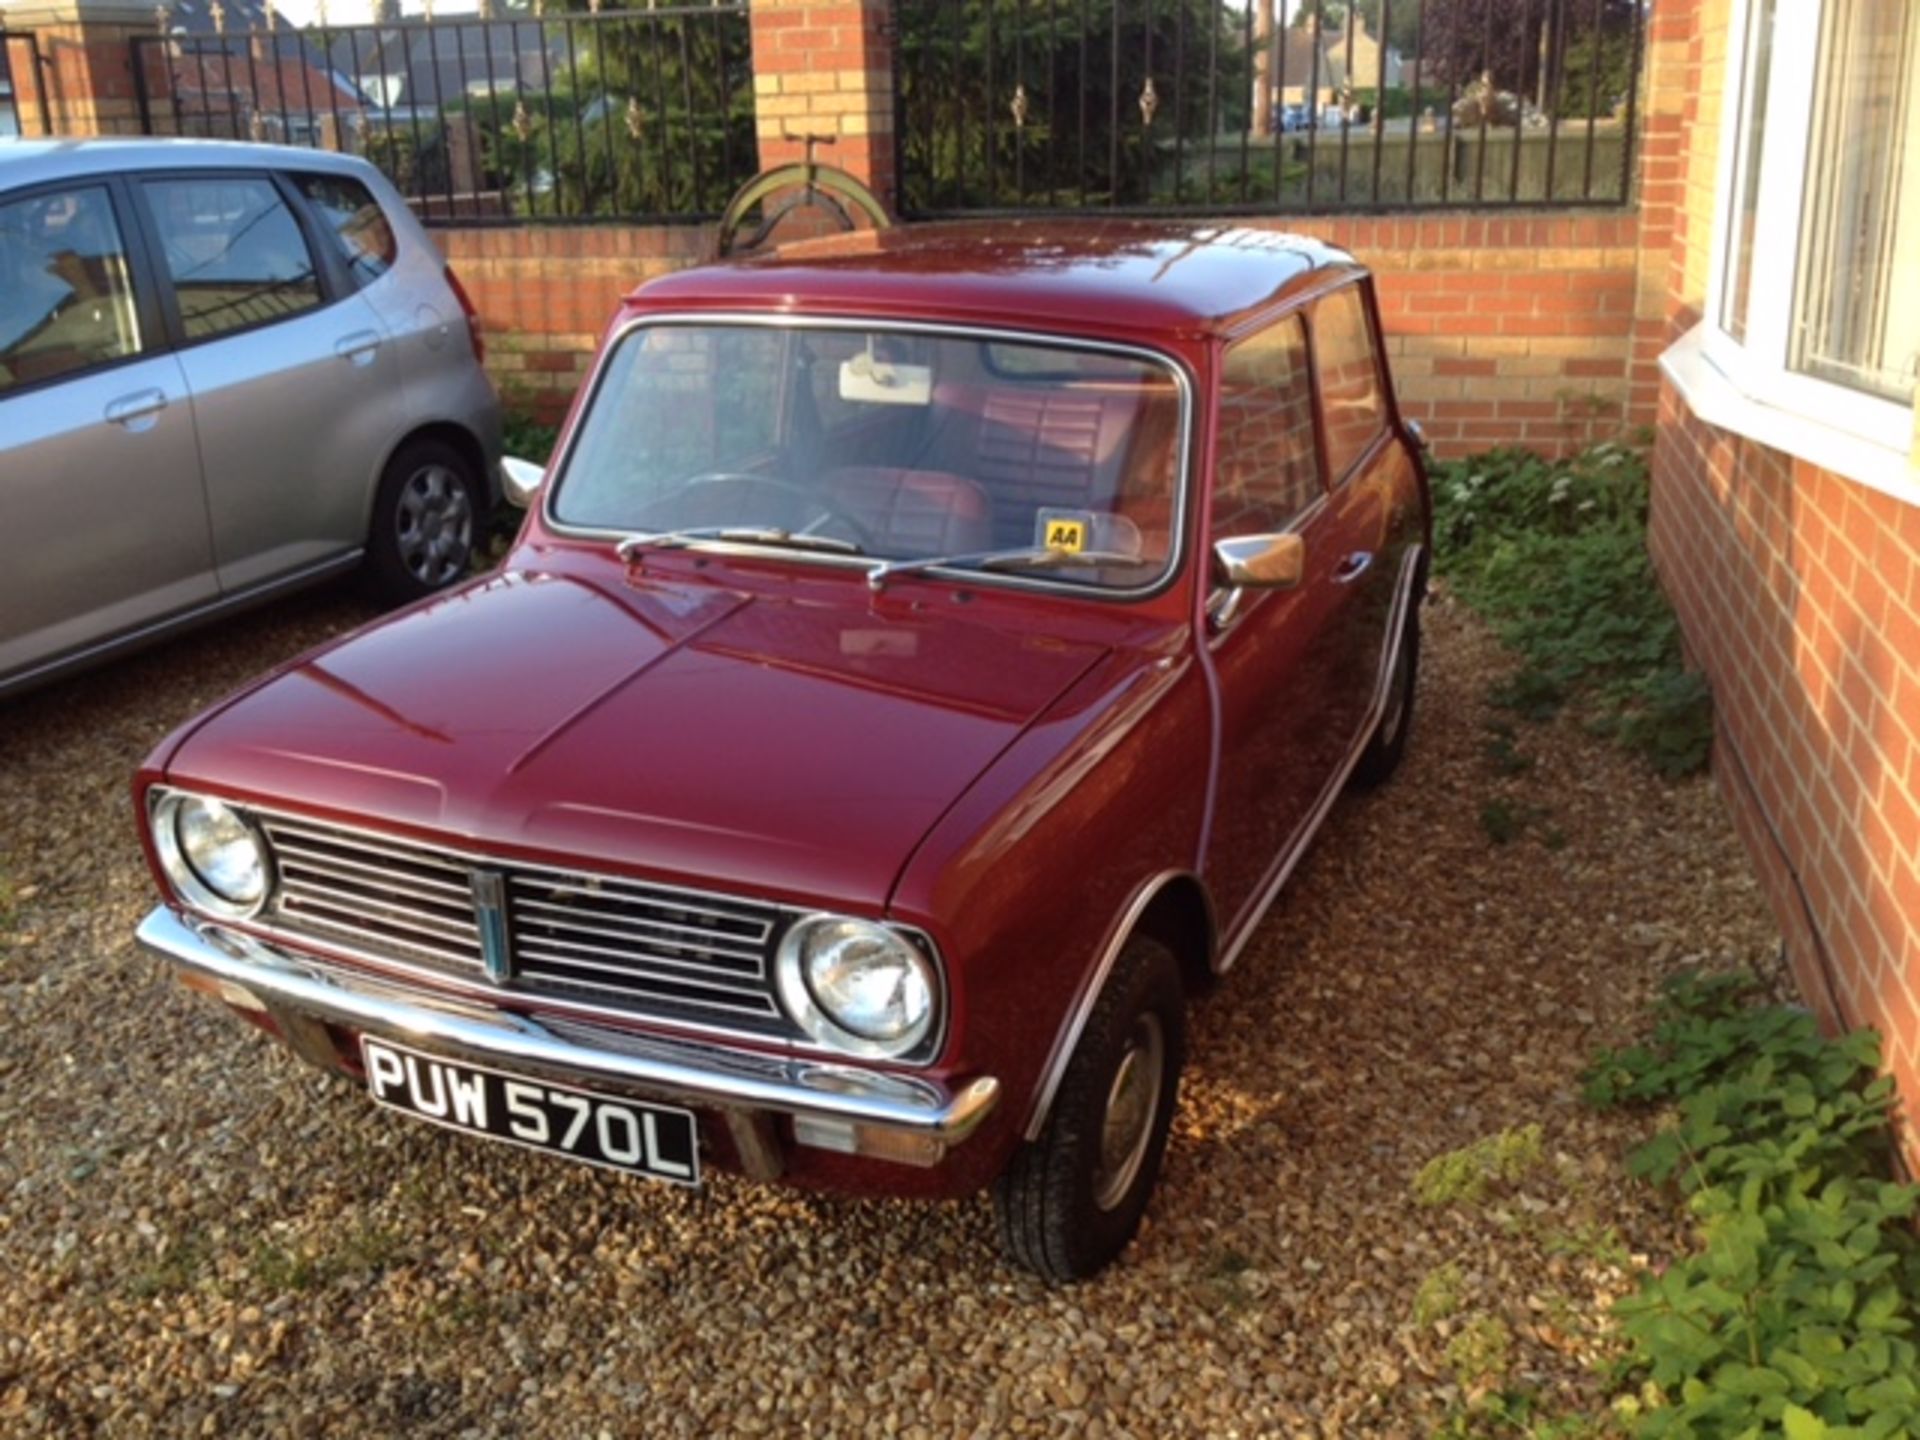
[1348, 372]
[348, 212]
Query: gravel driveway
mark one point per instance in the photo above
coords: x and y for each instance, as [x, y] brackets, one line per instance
[200, 1236]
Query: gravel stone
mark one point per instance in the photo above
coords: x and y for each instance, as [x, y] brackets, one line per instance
[200, 1236]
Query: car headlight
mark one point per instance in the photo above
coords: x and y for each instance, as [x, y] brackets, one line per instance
[857, 986]
[214, 855]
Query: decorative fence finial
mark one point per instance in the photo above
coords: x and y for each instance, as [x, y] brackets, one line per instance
[636, 117]
[1149, 102]
[1019, 107]
[163, 17]
[522, 122]
[219, 14]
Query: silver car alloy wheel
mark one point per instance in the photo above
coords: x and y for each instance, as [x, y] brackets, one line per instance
[1133, 1105]
[433, 525]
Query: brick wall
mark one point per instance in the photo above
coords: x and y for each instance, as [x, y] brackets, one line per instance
[1501, 330]
[1799, 593]
[545, 295]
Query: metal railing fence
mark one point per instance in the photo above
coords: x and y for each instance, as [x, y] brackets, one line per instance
[24, 107]
[1230, 106]
[543, 116]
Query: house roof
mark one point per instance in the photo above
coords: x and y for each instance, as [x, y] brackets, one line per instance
[1094, 275]
[436, 62]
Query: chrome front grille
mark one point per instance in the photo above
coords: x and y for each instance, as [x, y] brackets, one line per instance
[384, 896]
[596, 940]
[602, 936]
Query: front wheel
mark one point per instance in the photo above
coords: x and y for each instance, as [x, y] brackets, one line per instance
[425, 517]
[1070, 1201]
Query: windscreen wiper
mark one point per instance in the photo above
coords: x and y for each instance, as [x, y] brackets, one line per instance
[1030, 557]
[772, 535]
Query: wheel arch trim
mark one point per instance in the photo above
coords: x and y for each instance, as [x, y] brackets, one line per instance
[1067, 1038]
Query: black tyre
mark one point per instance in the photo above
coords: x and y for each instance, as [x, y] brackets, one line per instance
[1070, 1201]
[1382, 755]
[426, 518]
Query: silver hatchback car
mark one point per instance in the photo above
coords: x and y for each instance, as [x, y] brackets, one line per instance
[225, 371]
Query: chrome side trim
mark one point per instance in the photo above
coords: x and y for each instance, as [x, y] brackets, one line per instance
[691, 1072]
[1284, 863]
[1069, 1034]
[789, 320]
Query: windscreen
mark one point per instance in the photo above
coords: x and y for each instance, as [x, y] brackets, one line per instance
[900, 445]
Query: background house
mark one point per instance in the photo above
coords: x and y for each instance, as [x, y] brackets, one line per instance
[241, 70]
[1786, 507]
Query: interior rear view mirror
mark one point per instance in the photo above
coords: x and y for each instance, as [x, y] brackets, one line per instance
[867, 379]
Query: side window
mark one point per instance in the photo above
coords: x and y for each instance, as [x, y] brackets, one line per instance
[65, 300]
[354, 218]
[1349, 378]
[234, 252]
[1268, 469]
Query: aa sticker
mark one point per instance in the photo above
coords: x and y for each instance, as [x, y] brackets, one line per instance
[1066, 536]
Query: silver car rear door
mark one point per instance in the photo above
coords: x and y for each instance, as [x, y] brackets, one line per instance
[296, 387]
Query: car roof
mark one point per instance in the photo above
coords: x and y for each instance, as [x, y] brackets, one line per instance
[1102, 275]
[31, 162]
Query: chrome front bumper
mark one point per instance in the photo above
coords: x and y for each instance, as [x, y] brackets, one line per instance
[836, 1105]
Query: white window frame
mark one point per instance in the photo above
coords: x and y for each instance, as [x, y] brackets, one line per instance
[1747, 384]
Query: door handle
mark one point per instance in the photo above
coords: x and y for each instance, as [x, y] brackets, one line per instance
[141, 405]
[1353, 567]
[358, 347]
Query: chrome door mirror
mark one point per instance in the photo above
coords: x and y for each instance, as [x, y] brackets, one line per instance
[520, 481]
[1260, 562]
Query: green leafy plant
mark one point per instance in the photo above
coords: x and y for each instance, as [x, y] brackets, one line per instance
[1793, 1313]
[1464, 1176]
[1439, 1294]
[1554, 553]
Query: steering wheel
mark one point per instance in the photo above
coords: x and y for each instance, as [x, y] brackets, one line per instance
[864, 537]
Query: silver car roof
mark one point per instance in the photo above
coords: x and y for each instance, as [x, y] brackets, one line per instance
[33, 162]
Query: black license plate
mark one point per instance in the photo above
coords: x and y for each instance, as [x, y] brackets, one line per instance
[652, 1140]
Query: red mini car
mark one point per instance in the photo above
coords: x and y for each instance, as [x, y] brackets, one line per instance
[929, 653]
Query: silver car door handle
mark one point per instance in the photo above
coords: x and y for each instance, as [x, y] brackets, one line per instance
[357, 347]
[1353, 567]
[137, 406]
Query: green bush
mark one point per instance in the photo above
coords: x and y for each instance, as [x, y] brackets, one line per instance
[1554, 553]
[1793, 1315]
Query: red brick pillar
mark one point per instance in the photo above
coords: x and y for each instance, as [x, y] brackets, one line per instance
[90, 90]
[825, 67]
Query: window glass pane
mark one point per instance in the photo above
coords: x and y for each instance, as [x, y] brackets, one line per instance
[1858, 298]
[1749, 137]
[349, 211]
[902, 444]
[65, 301]
[1349, 378]
[1269, 462]
[234, 251]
